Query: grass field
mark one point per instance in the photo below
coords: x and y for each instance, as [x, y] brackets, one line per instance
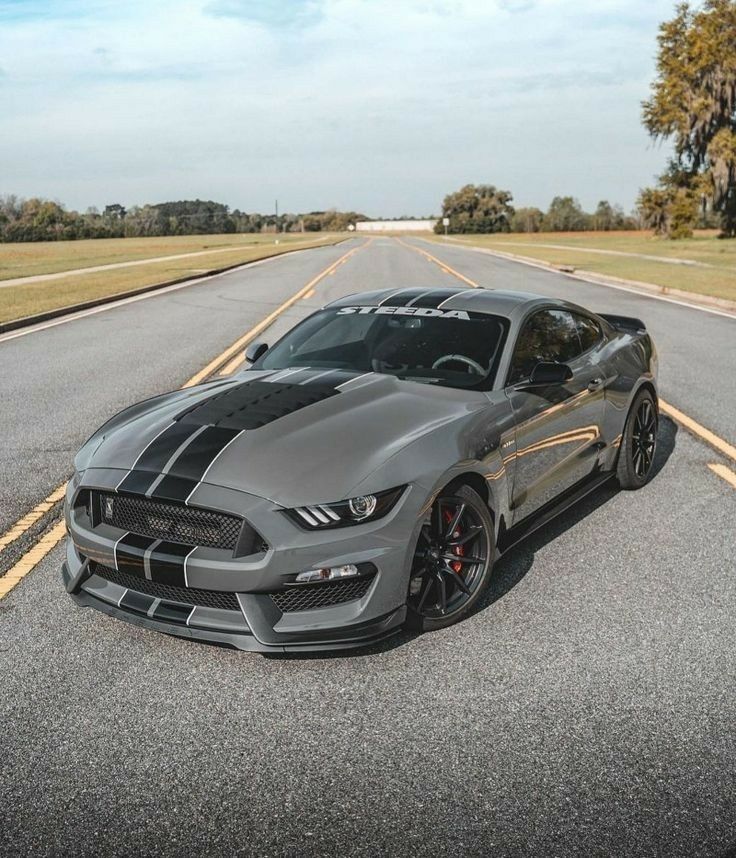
[704, 264]
[25, 260]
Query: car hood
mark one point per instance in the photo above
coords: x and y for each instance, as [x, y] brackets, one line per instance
[294, 438]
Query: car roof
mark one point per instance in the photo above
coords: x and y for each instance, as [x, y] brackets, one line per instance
[499, 302]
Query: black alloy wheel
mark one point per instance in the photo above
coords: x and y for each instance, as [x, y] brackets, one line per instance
[452, 561]
[638, 443]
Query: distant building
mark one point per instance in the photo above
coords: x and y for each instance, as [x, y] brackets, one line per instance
[395, 225]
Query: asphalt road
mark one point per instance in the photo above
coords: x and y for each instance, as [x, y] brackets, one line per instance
[586, 709]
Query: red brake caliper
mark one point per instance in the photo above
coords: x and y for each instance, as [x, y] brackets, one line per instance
[458, 549]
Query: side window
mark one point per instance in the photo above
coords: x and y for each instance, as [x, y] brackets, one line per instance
[549, 335]
[588, 331]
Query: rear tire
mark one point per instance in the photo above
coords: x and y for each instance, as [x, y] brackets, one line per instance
[638, 442]
[453, 560]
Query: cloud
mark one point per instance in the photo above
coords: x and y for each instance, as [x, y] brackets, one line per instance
[279, 14]
[369, 104]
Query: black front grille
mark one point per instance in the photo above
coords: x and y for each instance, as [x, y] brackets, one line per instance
[308, 596]
[169, 521]
[185, 595]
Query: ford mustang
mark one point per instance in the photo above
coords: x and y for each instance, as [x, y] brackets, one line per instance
[363, 474]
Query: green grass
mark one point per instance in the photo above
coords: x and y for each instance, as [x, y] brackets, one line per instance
[47, 257]
[715, 275]
[28, 299]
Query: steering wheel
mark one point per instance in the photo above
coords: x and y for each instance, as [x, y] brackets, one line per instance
[474, 366]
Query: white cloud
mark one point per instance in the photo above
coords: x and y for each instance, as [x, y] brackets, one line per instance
[373, 104]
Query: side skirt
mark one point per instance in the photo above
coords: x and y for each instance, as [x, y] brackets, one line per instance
[551, 510]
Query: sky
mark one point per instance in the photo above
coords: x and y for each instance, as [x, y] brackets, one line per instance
[378, 106]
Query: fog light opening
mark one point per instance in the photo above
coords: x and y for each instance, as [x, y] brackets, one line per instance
[331, 573]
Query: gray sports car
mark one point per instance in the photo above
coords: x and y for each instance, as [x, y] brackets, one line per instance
[364, 473]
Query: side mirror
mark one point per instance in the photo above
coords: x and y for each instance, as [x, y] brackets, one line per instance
[546, 373]
[255, 351]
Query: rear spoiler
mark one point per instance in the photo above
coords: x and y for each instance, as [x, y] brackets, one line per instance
[627, 324]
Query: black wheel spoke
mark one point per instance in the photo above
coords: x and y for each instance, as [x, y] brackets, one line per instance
[429, 583]
[455, 521]
[466, 561]
[442, 593]
[472, 533]
[456, 579]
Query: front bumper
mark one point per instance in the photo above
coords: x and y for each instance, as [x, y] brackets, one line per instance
[251, 620]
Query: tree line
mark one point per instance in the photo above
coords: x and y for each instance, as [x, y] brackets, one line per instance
[39, 219]
[485, 208]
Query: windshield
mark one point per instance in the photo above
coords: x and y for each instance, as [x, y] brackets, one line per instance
[454, 348]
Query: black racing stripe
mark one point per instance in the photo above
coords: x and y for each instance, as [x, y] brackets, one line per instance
[174, 488]
[137, 482]
[167, 563]
[253, 405]
[199, 455]
[403, 298]
[129, 553]
[434, 298]
[159, 451]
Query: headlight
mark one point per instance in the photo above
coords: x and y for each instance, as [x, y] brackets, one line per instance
[352, 511]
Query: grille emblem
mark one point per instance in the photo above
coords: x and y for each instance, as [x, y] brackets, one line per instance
[109, 502]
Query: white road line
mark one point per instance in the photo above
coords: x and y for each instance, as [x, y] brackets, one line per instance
[154, 293]
[642, 293]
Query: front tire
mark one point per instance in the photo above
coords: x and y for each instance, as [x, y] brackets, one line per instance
[452, 561]
[638, 443]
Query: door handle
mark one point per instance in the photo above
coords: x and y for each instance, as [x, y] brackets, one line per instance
[595, 383]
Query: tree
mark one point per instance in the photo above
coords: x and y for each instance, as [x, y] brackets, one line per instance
[693, 102]
[477, 208]
[565, 214]
[115, 211]
[608, 217]
[527, 220]
[653, 205]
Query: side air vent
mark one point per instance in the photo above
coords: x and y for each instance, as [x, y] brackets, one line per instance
[305, 598]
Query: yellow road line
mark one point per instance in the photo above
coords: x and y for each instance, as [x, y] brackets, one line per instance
[443, 265]
[231, 353]
[32, 558]
[726, 473]
[34, 555]
[28, 520]
[699, 431]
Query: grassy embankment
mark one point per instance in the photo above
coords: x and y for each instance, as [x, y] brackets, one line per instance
[715, 273]
[39, 258]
